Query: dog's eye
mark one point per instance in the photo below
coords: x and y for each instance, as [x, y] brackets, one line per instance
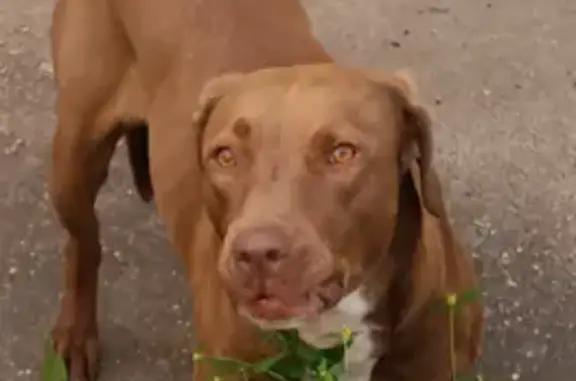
[342, 153]
[224, 157]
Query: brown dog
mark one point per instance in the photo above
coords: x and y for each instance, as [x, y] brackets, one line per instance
[299, 193]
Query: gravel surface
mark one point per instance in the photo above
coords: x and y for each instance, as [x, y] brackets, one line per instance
[500, 77]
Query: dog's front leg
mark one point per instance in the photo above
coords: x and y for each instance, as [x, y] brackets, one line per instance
[79, 168]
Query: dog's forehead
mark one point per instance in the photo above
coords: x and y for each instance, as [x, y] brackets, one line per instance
[287, 107]
[307, 102]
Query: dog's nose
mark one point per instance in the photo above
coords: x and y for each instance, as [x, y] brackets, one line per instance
[261, 248]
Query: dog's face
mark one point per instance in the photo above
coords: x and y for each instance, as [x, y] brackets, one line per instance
[301, 169]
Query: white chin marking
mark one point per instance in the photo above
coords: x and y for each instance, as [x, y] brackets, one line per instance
[326, 331]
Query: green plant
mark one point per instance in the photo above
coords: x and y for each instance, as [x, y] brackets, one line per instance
[296, 360]
[453, 304]
[53, 366]
[299, 361]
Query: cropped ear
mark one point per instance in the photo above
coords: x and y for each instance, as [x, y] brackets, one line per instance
[416, 144]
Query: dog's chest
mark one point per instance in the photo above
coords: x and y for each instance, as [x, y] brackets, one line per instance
[326, 332]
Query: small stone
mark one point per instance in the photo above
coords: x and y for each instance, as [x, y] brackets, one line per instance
[14, 147]
[23, 29]
[15, 51]
[505, 258]
[117, 255]
[12, 271]
[511, 283]
[395, 44]
[515, 376]
[46, 68]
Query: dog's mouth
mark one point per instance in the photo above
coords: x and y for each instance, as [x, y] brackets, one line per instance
[274, 311]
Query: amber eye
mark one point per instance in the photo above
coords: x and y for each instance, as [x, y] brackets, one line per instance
[342, 153]
[224, 157]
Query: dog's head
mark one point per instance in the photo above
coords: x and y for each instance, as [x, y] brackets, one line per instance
[301, 170]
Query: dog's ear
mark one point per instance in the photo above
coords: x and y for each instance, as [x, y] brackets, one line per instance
[416, 137]
[212, 92]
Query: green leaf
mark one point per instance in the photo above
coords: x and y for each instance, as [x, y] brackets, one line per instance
[290, 367]
[226, 365]
[53, 366]
[290, 338]
[470, 295]
[266, 365]
[322, 372]
[328, 377]
[308, 353]
[338, 370]
[334, 355]
[323, 366]
[266, 336]
[276, 376]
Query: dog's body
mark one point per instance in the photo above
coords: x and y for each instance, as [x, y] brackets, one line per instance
[136, 68]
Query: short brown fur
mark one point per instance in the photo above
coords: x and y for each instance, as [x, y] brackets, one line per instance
[136, 69]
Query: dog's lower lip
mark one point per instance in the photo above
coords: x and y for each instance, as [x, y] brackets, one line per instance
[273, 308]
[269, 308]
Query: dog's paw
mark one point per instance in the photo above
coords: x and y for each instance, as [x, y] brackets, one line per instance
[80, 351]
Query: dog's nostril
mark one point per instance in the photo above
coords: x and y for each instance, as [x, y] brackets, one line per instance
[260, 246]
[264, 256]
[244, 257]
[273, 255]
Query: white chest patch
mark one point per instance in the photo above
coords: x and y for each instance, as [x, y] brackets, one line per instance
[325, 331]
